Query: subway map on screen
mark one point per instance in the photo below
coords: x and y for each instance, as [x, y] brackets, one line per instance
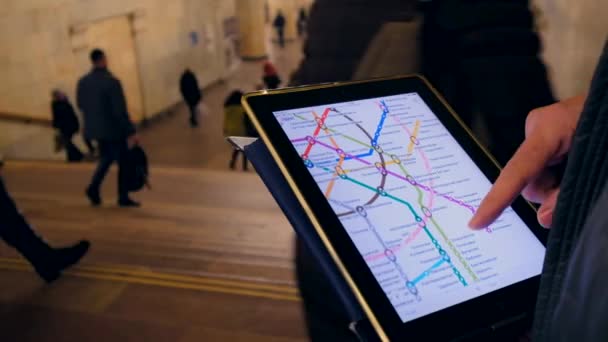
[404, 190]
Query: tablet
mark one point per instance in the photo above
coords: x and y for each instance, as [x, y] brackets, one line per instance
[389, 176]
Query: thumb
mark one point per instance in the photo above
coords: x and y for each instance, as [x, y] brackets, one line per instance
[545, 212]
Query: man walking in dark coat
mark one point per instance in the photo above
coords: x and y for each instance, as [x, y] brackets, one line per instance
[106, 119]
[279, 25]
[191, 92]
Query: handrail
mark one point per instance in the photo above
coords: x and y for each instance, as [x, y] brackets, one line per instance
[24, 118]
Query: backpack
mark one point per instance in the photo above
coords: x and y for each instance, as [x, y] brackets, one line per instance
[136, 169]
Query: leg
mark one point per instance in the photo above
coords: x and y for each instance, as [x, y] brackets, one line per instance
[245, 164]
[73, 153]
[281, 37]
[108, 153]
[235, 154]
[326, 320]
[15, 230]
[193, 115]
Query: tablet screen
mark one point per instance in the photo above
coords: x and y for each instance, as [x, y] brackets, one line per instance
[404, 190]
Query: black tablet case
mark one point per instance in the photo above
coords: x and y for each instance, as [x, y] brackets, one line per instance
[276, 183]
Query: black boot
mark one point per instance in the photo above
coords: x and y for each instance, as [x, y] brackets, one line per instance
[193, 122]
[62, 258]
[128, 203]
[47, 261]
[93, 196]
[15, 230]
[59, 259]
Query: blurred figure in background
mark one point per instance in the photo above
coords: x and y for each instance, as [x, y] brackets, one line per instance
[236, 124]
[66, 123]
[488, 70]
[302, 18]
[191, 92]
[271, 76]
[106, 117]
[279, 25]
[482, 55]
[48, 262]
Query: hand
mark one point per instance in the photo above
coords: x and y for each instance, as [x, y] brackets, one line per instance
[132, 140]
[531, 170]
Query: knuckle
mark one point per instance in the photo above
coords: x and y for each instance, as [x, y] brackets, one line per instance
[534, 117]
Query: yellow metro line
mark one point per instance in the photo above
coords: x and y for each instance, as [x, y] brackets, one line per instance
[414, 136]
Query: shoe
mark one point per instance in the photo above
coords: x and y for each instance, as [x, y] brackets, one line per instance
[58, 259]
[93, 197]
[128, 203]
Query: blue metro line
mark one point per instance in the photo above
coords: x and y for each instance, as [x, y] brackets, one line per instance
[428, 272]
[374, 141]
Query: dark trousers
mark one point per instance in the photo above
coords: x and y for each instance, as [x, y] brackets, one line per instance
[110, 152]
[281, 36]
[326, 320]
[73, 153]
[193, 114]
[16, 232]
[89, 144]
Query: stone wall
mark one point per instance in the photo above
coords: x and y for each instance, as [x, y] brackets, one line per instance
[573, 34]
[44, 44]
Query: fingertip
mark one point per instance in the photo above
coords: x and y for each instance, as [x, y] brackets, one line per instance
[545, 219]
[476, 223]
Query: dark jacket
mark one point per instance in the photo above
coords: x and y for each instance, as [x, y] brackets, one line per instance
[483, 56]
[101, 99]
[279, 22]
[64, 117]
[573, 299]
[330, 54]
[188, 86]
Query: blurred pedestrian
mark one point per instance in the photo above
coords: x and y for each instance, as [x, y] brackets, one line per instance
[48, 262]
[106, 118]
[191, 92]
[279, 25]
[236, 123]
[66, 123]
[271, 76]
[302, 18]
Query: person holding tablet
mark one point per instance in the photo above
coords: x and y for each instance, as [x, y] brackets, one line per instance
[325, 319]
[388, 177]
[572, 302]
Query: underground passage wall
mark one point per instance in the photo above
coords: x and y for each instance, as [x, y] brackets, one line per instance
[44, 44]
